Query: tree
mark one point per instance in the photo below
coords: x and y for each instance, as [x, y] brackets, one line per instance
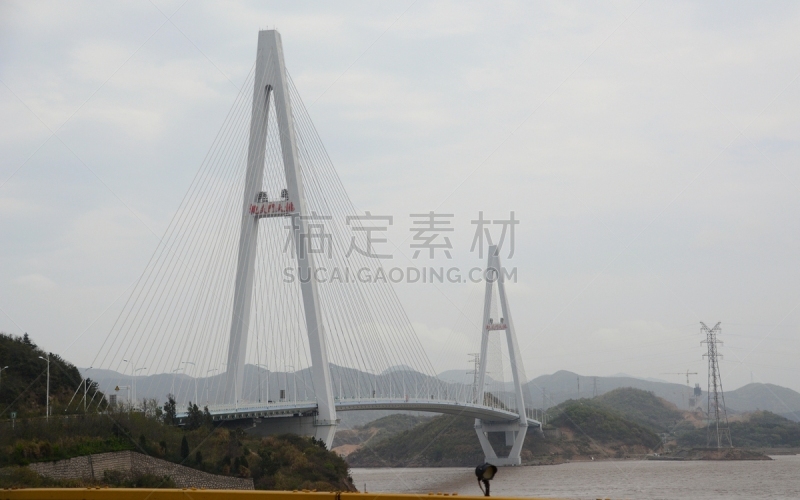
[194, 417]
[143, 443]
[208, 420]
[198, 458]
[184, 448]
[151, 409]
[170, 410]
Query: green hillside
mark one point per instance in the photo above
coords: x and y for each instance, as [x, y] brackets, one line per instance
[377, 430]
[642, 407]
[444, 441]
[584, 430]
[24, 382]
[760, 429]
[275, 462]
[590, 421]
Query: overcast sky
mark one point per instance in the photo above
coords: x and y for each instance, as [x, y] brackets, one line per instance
[649, 150]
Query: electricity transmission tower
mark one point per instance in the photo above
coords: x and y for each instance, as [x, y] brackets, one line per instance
[717, 431]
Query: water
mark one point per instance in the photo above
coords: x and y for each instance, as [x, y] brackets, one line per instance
[636, 480]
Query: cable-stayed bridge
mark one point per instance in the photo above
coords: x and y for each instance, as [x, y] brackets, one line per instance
[259, 266]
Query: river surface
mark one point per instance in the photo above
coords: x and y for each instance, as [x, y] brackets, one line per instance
[635, 480]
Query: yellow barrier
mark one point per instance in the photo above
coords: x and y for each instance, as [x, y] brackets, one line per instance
[195, 494]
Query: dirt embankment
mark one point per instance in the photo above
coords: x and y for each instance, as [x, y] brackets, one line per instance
[713, 454]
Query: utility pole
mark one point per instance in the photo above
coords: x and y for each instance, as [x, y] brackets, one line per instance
[594, 387]
[173, 382]
[717, 430]
[1, 375]
[47, 404]
[134, 381]
[195, 379]
[579, 387]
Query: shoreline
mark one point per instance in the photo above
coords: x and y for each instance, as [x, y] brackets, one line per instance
[752, 455]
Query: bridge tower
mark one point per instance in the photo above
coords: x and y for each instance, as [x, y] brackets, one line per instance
[514, 431]
[271, 82]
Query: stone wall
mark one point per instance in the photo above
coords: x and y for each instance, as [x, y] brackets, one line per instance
[129, 462]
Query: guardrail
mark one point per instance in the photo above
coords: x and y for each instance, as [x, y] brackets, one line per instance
[195, 494]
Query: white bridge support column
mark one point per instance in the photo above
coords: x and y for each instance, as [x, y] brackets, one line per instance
[271, 79]
[514, 431]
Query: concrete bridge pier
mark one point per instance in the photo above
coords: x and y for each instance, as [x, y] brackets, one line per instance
[514, 436]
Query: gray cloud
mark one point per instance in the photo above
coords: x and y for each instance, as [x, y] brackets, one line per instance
[652, 161]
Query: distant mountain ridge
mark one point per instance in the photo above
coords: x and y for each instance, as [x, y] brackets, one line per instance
[563, 385]
[543, 391]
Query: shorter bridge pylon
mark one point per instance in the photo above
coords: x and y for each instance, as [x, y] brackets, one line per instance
[515, 431]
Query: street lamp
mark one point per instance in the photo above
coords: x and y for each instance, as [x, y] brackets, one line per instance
[485, 473]
[258, 366]
[195, 380]
[129, 390]
[47, 403]
[208, 396]
[134, 381]
[173, 381]
[294, 380]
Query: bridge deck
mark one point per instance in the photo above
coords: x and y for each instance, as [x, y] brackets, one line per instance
[289, 409]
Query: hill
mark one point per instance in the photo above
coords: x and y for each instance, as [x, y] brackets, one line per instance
[768, 397]
[350, 440]
[275, 462]
[593, 422]
[579, 431]
[563, 385]
[24, 383]
[642, 407]
[760, 429]
[556, 388]
[443, 441]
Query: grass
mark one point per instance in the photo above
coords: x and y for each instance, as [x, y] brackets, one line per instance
[601, 424]
[276, 462]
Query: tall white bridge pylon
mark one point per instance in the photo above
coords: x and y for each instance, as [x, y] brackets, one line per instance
[271, 82]
[225, 289]
[515, 431]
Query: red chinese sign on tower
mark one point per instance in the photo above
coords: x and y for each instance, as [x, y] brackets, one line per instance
[272, 208]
